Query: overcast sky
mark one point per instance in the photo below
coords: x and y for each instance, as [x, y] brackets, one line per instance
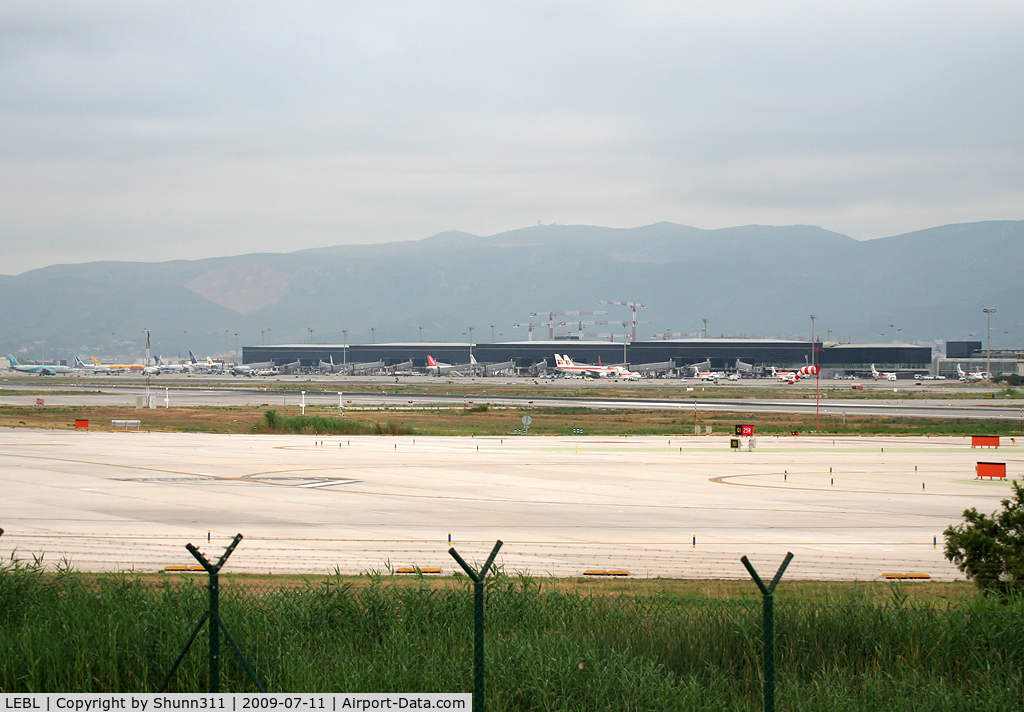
[152, 131]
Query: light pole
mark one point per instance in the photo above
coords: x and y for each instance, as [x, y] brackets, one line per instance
[310, 330]
[421, 334]
[813, 317]
[263, 341]
[989, 311]
[344, 352]
[492, 333]
[814, 361]
[373, 334]
[705, 328]
[236, 347]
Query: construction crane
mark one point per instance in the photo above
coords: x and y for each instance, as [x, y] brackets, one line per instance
[589, 335]
[530, 326]
[634, 306]
[669, 334]
[580, 324]
[551, 318]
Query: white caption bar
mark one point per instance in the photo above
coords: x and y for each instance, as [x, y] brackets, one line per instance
[147, 702]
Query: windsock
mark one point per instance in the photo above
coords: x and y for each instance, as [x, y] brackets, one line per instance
[805, 371]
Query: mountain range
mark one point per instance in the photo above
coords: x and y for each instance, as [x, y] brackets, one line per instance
[921, 287]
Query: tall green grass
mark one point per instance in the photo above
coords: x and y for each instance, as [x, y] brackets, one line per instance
[546, 650]
[318, 425]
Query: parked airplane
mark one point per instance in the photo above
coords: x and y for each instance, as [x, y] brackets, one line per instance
[626, 374]
[707, 375]
[209, 366]
[783, 375]
[171, 367]
[437, 368]
[971, 376]
[331, 367]
[887, 375]
[566, 366]
[44, 370]
[98, 367]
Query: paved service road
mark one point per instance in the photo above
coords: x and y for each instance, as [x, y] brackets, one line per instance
[849, 508]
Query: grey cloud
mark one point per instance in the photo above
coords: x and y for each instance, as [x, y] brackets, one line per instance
[247, 126]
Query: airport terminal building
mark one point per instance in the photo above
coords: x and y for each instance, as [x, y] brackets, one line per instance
[724, 354]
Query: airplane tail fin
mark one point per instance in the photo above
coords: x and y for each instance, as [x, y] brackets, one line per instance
[599, 360]
[94, 361]
[14, 361]
[559, 361]
[192, 357]
[472, 360]
[79, 363]
[431, 361]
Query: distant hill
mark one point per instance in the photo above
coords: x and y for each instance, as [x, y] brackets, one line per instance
[747, 281]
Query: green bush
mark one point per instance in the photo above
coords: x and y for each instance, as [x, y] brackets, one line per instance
[317, 425]
[1010, 379]
[990, 549]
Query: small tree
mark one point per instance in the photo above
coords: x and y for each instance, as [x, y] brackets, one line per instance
[990, 549]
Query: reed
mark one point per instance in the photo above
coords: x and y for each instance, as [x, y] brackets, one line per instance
[546, 648]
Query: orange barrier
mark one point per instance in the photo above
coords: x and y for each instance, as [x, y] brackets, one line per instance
[81, 425]
[984, 441]
[603, 572]
[991, 470]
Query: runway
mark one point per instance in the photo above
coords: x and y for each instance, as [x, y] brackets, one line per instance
[680, 507]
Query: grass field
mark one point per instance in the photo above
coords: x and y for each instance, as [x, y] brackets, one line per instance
[550, 645]
[489, 421]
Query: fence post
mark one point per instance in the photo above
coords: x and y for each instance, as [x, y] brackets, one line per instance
[478, 622]
[217, 625]
[768, 627]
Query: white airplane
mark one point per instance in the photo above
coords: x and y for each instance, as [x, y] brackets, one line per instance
[625, 374]
[972, 376]
[566, 366]
[47, 370]
[887, 375]
[438, 368]
[171, 367]
[210, 365]
[783, 375]
[707, 375]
